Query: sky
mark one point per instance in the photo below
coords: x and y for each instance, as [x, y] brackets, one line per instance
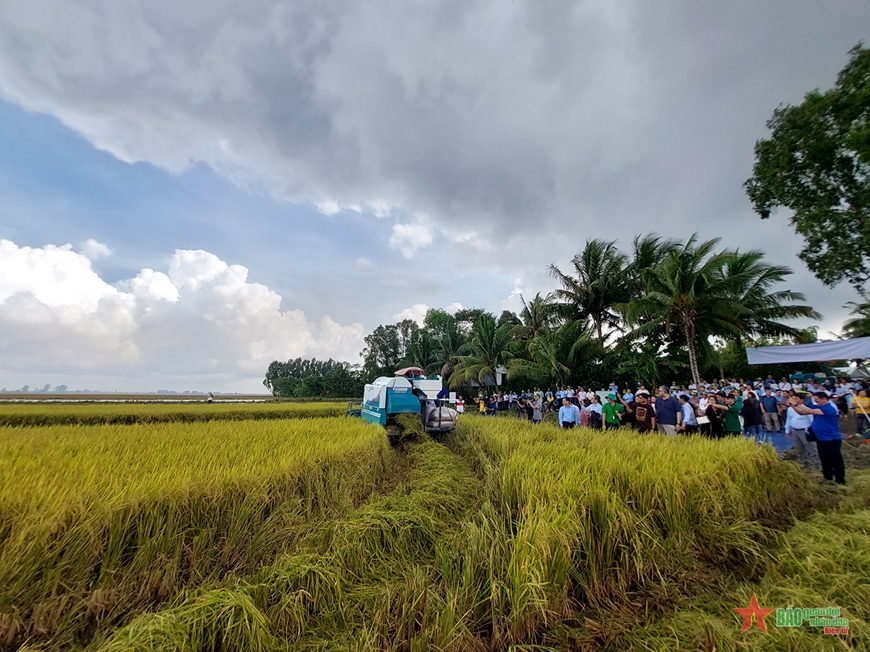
[189, 191]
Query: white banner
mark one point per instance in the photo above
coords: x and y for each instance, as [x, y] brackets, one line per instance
[816, 352]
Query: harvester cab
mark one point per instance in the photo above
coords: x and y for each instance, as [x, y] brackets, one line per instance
[408, 391]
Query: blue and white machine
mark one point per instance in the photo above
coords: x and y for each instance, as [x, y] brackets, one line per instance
[407, 392]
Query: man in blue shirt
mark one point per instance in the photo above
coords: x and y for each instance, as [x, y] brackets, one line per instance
[770, 410]
[668, 412]
[826, 427]
[569, 415]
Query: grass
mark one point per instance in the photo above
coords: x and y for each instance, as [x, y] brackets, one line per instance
[57, 414]
[316, 536]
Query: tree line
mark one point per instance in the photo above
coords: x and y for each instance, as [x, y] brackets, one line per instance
[663, 310]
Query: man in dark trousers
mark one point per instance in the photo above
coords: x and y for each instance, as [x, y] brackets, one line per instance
[826, 428]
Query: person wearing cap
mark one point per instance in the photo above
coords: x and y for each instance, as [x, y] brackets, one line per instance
[612, 413]
[668, 412]
[826, 428]
[569, 415]
[784, 385]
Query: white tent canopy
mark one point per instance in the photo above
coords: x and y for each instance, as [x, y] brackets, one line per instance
[858, 347]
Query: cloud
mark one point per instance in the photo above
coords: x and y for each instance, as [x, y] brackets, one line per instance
[409, 238]
[200, 317]
[95, 250]
[417, 312]
[560, 118]
[519, 129]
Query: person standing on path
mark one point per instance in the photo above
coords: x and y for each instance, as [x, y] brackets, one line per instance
[770, 410]
[668, 413]
[796, 426]
[594, 410]
[644, 419]
[569, 415]
[753, 418]
[826, 427]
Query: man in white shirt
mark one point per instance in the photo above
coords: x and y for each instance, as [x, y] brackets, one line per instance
[796, 426]
[784, 385]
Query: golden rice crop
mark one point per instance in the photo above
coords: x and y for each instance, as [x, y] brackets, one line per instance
[594, 516]
[99, 521]
[50, 414]
[507, 543]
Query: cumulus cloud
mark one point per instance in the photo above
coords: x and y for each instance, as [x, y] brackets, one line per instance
[95, 250]
[409, 238]
[417, 312]
[201, 316]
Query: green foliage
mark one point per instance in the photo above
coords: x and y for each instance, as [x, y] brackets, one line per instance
[387, 349]
[597, 285]
[308, 378]
[858, 325]
[695, 293]
[490, 347]
[817, 164]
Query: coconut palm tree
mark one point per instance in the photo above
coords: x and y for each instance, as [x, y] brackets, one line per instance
[554, 354]
[537, 314]
[859, 325]
[422, 351]
[489, 347]
[647, 251]
[696, 293]
[685, 290]
[597, 285]
[764, 309]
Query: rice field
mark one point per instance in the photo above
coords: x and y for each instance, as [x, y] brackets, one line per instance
[314, 534]
[55, 414]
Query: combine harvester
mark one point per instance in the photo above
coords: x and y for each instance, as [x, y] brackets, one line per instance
[407, 392]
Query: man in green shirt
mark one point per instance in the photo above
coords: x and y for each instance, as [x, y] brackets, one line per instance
[731, 420]
[612, 413]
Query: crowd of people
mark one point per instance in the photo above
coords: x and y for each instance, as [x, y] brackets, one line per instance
[809, 412]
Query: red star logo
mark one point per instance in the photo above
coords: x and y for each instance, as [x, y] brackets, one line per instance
[753, 611]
